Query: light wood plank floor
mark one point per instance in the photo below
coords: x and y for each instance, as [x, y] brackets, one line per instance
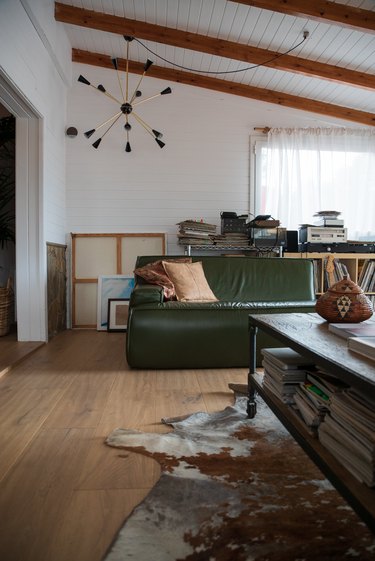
[63, 492]
[12, 352]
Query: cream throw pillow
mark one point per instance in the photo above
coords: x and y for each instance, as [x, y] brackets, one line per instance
[189, 282]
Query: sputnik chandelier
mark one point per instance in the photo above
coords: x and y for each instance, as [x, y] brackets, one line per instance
[128, 104]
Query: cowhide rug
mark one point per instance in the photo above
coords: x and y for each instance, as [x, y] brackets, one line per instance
[235, 489]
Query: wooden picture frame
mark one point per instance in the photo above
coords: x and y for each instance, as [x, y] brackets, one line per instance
[118, 311]
[110, 287]
[95, 254]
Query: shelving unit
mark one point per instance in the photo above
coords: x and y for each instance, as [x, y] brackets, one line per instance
[248, 250]
[309, 335]
[360, 268]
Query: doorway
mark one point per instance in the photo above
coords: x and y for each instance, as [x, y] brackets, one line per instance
[30, 262]
[7, 219]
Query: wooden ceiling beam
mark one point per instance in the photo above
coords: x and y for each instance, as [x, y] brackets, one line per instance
[262, 94]
[218, 47]
[320, 10]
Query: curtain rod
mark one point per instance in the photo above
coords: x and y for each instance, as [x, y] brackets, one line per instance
[264, 130]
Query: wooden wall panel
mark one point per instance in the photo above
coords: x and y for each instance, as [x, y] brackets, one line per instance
[56, 288]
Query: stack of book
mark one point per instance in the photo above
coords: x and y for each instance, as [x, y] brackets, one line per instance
[364, 346]
[313, 397]
[194, 232]
[348, 432]
[360, 336]
[329, 218]
[284, 370]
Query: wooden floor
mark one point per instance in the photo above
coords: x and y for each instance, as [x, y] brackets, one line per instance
[12, 352]
[63, 492]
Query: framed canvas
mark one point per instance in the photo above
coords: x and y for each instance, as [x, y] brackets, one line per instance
[118, 311]
[111, 286]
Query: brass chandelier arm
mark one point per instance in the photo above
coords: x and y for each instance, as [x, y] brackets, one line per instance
[156, 135]
[111, 125]
[137, 88]
[115, 64]
[143, 124]
[110, 96]
[127, 71]
[119, 81]
[107, 121]
[147, 99]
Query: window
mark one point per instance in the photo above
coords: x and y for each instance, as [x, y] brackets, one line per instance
[299, 172]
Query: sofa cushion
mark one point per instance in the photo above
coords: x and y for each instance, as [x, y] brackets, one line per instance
[154, 273]
[189, 282]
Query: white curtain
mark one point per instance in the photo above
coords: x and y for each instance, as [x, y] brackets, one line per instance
[316, 169]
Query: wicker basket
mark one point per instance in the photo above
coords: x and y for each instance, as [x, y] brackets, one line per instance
[344, 302]
[6, 308]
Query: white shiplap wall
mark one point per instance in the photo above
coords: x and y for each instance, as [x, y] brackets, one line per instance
[202, 170]
[35, 56]
[35, 70]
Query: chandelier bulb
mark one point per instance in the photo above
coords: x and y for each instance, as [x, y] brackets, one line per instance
[147, 65]
[157, 134]
[114, 62]
[128, 148]
[138, 93]
[101, 88]
[83, 80]
[166, 91]
[96, 143]
[161, 144]
[127, 126]
[89, 133]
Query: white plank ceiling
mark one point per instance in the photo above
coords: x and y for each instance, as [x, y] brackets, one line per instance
[329, 43]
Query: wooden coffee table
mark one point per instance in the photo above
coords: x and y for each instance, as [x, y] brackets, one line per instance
[308, 335]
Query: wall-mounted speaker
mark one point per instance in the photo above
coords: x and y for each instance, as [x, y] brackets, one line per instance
[71, 132]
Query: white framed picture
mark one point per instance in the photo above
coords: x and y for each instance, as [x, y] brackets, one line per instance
[118, 311]
[110, 287]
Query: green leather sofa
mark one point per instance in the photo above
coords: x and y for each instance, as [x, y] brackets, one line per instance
[214, 334]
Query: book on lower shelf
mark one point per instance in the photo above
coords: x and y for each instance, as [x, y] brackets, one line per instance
[284, 370]
[312, 398]
[348, 432]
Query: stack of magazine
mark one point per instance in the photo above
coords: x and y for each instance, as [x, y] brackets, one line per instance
[194, 232]
[348, 432]
[313, 397]
[284, 370]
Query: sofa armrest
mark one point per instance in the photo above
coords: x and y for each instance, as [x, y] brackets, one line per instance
[146, 294]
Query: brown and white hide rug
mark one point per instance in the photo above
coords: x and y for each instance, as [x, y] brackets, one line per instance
[235, 489]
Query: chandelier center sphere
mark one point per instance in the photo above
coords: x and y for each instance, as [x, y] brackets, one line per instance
[126, 108]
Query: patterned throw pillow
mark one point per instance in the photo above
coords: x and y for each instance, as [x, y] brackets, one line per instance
[154, 273]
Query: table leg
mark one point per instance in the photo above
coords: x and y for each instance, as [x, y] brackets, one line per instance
[251, 402]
